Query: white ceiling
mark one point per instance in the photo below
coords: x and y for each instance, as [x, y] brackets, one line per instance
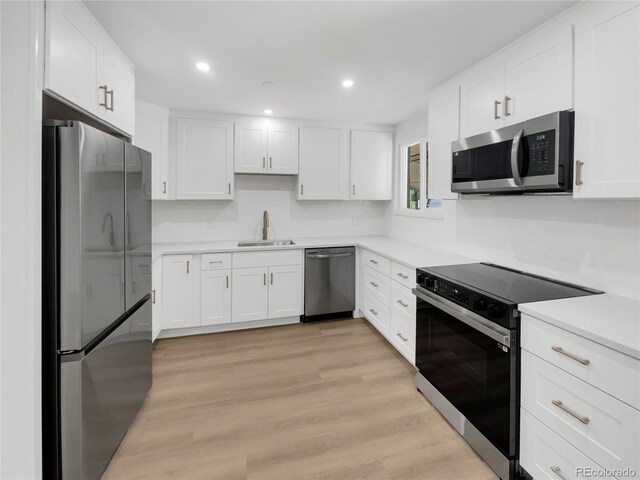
[395, 51]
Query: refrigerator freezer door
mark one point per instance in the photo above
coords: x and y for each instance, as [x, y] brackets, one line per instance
[101, 394]
[90, 233]
[137, 224]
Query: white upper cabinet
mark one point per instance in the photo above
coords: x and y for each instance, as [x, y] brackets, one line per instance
[371, 164]
[324, 164]
[152, 134]
[607, 101]
[83, 66]
[204, 159]
[443, 129]
[265, 146]
[531, 78]
[539, 74]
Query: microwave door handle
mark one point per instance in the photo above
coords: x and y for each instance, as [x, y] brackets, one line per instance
[515, 147]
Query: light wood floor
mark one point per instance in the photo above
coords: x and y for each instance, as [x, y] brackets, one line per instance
[329, 400]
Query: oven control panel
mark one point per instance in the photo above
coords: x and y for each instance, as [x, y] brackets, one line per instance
[477, 302]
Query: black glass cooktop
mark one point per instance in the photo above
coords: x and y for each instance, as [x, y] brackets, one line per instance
[513, 286]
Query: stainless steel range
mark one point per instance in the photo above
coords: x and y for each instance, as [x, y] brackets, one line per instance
[467, 350]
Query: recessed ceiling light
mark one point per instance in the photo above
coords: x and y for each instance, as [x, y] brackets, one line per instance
[347, 83]
[202, 66]
[268, 111]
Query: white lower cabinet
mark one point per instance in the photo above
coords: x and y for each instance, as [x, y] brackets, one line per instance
[178, 292]
[377, 313]
[250, 294]
[285, 291]
[215, 297]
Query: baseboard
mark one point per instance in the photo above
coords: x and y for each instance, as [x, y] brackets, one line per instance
[227, 327]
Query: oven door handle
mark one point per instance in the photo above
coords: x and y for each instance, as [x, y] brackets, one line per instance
[473, 320]
[515, 147]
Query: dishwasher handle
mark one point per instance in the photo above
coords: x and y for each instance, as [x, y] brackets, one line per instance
[329, 255]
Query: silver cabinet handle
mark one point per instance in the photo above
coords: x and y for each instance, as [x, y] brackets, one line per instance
[164, 187]
[563, 407]
[227, 278]
[374, 284]
[270, 162]
[405, 305]
[402, 275]
[354, 190]
[229, 188]
[515, 148]
[373, 311]
[507, 99]
[187, 266]
[215, 261]
[104, 102]
[264, 162]
[495, 109]
[558, 472]
[272, 278]
[579, 165]
[153, 296]
[402, 337]
[110, 92]
[562, 351]
[301, 189]
[264, 280]
[375, 262]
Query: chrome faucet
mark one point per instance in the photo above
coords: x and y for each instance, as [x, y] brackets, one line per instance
[111, 238]
[265, 225]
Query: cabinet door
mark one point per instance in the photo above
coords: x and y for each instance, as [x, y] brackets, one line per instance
[251, 147]
[283, 149]
[539, 75]
[607, 101]
[178, 292]
[371, 160]
[249, 294]
[443, 129]
[285, 291]
[118, 76]
[215, 297]
[73, 55]
[152, 134]
[324, 164]
[204, 159]
[482, 97]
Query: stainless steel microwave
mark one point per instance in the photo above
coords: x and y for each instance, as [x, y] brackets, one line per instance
[532, 156]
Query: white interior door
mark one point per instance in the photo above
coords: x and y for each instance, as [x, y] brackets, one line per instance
[204, 159]
[215, 295]
[371, 165]
[324, 164]
[283, 149]
[251, 147]
[177, 292]
[249, 294]
[285, 291]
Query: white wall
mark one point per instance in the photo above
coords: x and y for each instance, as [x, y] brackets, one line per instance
[20, 197]
[210, 220]
[595, 243]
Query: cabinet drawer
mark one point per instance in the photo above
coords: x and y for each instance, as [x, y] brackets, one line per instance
[216, 261]
[402, 334]
[377, 284]
[600, 426]
[609, 370]
[267, 259]
[403, 274]
[375, 261]
[376, 313]
[546, 455]
[403, 300]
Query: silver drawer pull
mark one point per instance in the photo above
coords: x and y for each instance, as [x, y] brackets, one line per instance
[373, 311]
[405, 305]
[375, 262]
[558, 472]
[583, 361]
[215, 261]
[402, 275]
[561, 406]
[374, 284]
[402, 337]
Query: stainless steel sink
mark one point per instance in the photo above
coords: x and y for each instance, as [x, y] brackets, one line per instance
[266, 243]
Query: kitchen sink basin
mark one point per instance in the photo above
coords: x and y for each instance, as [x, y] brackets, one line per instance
[266, 243]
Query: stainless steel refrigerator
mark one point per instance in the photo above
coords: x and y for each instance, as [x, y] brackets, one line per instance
[96, 332]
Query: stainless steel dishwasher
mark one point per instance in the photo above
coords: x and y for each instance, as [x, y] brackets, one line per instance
[329, 283]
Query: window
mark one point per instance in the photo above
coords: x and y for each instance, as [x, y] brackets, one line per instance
[413, 175]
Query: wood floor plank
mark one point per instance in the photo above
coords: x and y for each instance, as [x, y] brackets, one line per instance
[322, 401]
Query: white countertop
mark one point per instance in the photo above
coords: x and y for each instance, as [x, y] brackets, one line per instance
[409, 254]
[606, 319]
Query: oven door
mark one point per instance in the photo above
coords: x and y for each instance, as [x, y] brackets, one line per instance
[471, 362]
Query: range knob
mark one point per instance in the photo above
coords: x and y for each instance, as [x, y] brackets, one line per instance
[480, 304]
[429, 282]
[419, 278]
